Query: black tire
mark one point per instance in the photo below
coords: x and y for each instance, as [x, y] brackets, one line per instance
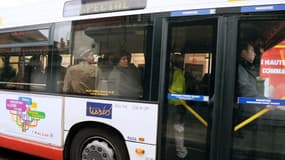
[98, 144]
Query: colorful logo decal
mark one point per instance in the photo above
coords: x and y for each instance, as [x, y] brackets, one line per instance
[24, 112]
[99, 110]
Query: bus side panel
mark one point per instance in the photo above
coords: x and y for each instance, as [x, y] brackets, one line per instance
[33, 148]
[149, 151]
[137, 122]
[32, 117]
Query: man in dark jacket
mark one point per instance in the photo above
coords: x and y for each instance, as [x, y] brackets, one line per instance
[247, 85]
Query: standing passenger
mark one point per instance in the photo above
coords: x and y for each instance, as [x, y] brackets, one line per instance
[177, 85]
[247, 84]
[81, 77]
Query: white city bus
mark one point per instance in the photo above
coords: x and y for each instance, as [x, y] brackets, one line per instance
[126, 113]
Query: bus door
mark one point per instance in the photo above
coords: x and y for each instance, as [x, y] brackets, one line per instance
[191, 48]
[259, 115]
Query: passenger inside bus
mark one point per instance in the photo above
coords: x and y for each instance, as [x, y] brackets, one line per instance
[57, 72]
[247, 73]
[177, 85]
[106, 64]
[125, 78]
[33, 73]
[247, 85]
[246, 82]
[7, 71]
[81, 78]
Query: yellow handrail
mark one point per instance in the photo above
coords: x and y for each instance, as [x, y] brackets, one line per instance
[252, 118]
[195, 114]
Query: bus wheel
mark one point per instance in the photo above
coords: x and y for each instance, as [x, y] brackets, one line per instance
[95, 143]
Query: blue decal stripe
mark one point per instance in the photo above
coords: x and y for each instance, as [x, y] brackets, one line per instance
[193, 12]
[280, 7]
[188, 97]
[261, 101]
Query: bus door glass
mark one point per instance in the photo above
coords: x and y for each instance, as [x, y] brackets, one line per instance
[259, 116]
[191, 57]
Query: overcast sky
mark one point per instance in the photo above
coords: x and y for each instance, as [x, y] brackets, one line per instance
[10, 3]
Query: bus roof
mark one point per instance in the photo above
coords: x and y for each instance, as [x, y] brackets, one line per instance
[32, 12]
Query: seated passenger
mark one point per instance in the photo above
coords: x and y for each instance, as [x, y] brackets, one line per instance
[81, 77]
[125, 79]
[7, 72]
[106, 66]
[34, 75]
[57, 72]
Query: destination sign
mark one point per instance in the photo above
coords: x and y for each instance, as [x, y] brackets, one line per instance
[193, 12]
[280, 7]
[98, 6]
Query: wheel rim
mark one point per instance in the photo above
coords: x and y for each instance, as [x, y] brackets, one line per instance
[98, 148]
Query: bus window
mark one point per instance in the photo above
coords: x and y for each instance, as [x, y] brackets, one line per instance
[29, 61]
[23, 68]
[258, 118]
[60, 57]
[119, 48]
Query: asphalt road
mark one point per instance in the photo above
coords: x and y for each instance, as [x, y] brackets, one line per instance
[6, 154]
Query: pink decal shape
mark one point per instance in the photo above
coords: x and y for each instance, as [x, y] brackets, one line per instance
[15, 105]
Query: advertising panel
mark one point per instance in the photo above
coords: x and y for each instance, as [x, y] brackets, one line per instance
[31, 117]
[272, 68]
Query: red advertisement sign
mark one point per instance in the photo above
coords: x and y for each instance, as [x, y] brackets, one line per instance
[272, 66]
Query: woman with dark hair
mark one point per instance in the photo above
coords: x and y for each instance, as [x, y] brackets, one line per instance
[125, 78]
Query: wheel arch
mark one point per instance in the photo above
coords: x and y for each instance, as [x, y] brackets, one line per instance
[87, 124]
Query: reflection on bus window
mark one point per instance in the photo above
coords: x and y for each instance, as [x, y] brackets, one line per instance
[198, 71]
